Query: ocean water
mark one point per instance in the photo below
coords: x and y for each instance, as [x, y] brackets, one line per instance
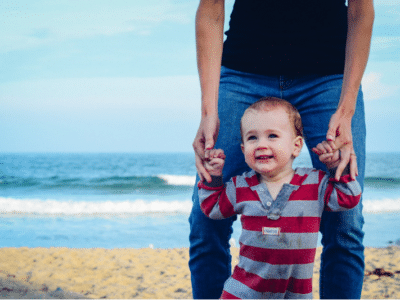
[141, 200]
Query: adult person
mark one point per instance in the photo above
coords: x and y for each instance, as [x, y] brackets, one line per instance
[312, 53]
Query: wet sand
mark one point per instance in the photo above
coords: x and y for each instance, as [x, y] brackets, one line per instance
[144, 273]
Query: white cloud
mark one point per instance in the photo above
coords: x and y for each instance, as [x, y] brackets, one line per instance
[375, 89]
[30, 24]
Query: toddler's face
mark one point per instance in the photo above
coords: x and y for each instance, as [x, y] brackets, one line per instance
[269, 142]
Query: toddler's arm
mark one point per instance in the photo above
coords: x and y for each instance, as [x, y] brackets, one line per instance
[216, 200]
[215, 162]
[342, 192]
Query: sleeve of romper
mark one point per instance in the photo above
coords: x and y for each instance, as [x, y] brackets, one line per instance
[339, 195]
[216, 200]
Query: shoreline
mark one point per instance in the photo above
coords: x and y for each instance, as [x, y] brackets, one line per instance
[145, 273]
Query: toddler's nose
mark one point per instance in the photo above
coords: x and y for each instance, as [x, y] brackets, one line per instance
[262, 143]
[262, 146]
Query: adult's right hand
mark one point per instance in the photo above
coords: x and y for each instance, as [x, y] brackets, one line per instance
[204, 141]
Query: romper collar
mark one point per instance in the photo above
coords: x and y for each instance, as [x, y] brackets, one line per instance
[275, 207]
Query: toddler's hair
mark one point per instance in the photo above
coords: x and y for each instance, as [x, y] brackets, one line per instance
[270, 103]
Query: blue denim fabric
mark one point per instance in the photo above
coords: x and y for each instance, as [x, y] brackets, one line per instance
[316, 98]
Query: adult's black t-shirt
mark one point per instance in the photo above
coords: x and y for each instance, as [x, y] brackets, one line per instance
[287, 37]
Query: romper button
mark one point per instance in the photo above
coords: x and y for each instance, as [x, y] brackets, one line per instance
[269, 203]
[261, 189]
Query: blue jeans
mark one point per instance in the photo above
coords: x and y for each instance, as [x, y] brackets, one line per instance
[316, 98]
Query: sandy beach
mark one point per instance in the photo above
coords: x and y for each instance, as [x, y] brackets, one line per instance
[144, 273]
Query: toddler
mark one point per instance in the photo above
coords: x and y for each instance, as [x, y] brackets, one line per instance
[281, 208]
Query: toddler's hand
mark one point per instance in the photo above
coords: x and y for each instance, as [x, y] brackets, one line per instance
[328, 156]
[215, 162]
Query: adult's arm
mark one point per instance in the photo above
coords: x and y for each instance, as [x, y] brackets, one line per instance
[209, 41]
[360, 22]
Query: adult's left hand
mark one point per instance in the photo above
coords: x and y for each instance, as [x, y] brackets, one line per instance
[340, 137]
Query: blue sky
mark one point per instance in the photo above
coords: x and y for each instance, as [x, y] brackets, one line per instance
[105, 76]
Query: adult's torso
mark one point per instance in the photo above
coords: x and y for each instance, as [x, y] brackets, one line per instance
[286, 37]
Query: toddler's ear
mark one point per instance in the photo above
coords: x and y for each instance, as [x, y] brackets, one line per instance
[298, 145]
[242, 147]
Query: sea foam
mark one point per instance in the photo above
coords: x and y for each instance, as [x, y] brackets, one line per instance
[80, 208]
[178, 179]
[383, 205]
[132, 207]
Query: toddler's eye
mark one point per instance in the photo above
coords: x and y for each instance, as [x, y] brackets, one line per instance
[251, 137]
[272, 136]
